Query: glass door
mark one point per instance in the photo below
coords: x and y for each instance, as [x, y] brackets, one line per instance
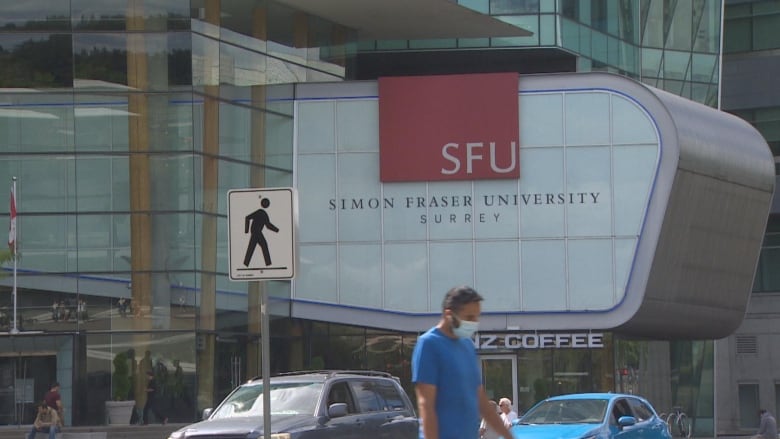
[499, 376]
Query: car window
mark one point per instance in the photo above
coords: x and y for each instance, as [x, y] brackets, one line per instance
[339, 392]
[641, 410]
[390, 394]
[567, 411]
[368, 397]
[620, 409]
[286, 398]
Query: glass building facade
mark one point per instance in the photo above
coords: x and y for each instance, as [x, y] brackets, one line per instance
[125, 123]
[671, 45]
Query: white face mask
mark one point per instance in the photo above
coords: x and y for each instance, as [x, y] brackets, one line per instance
[466, 329]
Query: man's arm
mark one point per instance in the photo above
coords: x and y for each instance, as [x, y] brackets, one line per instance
[426, 404]
[55, 418]
[37, 423]
[488, 412]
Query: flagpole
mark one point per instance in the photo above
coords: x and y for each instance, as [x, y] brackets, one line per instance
[14, 329]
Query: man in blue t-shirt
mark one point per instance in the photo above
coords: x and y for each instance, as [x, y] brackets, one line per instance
[446, 374]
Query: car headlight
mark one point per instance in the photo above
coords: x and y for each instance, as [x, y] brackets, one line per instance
[280, 436]
[177, 435]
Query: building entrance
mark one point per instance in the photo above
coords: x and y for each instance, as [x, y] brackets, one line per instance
[24, 379]
[499, 376]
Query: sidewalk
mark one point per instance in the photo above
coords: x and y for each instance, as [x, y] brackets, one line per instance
[156, 431]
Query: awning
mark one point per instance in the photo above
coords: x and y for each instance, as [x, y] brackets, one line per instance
[408, 19]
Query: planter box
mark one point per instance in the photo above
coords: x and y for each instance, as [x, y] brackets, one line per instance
[119, 412]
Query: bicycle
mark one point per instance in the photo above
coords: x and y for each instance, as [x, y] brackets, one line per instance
[678, 423]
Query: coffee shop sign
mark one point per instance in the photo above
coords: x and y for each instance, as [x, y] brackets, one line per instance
[577, 340]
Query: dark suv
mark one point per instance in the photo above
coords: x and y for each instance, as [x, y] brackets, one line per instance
[343, 404]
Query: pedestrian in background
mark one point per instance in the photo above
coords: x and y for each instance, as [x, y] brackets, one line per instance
[53, 399]
[485, 432]
[151, 400]
[446, 373]
[767, 428]
[507, 414]
[46, 421]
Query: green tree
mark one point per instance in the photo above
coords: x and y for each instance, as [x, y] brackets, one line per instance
[121, 377]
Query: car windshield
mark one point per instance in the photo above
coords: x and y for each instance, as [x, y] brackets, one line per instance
[567, 411]
[286, 398]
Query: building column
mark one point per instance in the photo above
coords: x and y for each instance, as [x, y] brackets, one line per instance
[206, 349]
[257, 180]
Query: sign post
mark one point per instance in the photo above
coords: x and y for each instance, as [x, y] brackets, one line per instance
[262, 227]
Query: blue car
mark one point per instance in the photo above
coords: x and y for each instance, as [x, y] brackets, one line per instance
[591, 416]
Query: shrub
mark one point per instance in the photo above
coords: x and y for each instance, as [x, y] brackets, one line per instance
[121, 377]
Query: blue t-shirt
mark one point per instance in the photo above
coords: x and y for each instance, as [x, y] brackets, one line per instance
[451, 365]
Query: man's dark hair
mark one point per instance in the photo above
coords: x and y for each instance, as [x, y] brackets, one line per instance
[459, 296]
[54, 384]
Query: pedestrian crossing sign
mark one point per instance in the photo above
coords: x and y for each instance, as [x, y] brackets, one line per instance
[262, 227]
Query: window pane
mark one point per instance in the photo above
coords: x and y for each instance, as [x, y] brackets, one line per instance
[514, 6]
[317, 187]
[405, 221]
[590, 274]
[497, 265]
[630, 125]
[527, 22]
[450, 264]
[357, 125]
[748, 406]
[358, 221]
[541, 120]
[317, 278]
[767, 275]
[316, 127]
[737, 36]
[633, 170]
[765, 34]
[543, 266]
[114, 14]
[405, 268]
[588, 186]
[36, 15]
[36, 61]
[499, 216]
[676, 64]
[168, 56]
[587, 119]
[449, 222]
[546, 176]
[360, 279]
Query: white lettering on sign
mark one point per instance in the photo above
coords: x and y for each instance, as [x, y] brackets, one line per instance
[579, 340]
[448, 151]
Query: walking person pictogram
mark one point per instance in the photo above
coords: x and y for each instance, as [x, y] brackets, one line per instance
[255, 222]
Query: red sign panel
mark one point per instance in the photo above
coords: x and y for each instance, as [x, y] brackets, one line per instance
[453, 127]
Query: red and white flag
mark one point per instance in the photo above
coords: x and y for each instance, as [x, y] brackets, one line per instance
[12, 225]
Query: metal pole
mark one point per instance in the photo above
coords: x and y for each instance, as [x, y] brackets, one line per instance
[14, 329]
[265, 361]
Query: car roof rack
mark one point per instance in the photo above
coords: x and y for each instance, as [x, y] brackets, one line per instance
[331, 373]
